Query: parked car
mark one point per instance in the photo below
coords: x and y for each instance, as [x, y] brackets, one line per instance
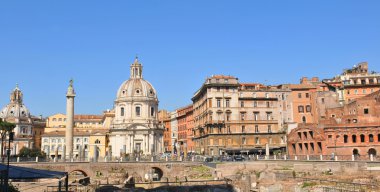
[239, 158]
[208, 159]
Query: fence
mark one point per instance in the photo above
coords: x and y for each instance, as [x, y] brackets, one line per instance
[200, 158]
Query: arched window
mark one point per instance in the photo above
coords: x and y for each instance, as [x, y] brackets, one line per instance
[97, 141]
[345, 139]
[371, 138]
[138, 111]
[122, 111]
[354, 138]
[362, 138]
[304, 119]
[152, 111]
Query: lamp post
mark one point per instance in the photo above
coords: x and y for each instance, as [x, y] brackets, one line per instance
[7, 128]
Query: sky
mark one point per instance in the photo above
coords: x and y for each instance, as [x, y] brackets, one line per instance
[44, 43]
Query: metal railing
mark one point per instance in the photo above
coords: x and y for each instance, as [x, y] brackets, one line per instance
[202, 158]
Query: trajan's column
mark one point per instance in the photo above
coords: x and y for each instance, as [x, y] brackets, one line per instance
[70, 95]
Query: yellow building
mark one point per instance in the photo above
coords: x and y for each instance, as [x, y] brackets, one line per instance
[90, 136]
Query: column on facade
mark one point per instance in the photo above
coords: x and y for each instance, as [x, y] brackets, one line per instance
[130, 144]
[149, 148]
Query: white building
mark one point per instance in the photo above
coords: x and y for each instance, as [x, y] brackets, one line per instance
[16, 112]
[53, 144]
[135, 128]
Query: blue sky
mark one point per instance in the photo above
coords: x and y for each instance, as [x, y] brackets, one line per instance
[45, 43]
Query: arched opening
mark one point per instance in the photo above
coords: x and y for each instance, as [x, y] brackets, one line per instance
[157, 174]
[371, 138]
[355, 152]
[345, 139]
[362, 138]
[372, 151]
[354, 138]
[304, 119]
[79, 176]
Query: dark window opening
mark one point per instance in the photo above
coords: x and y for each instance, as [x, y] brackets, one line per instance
[354, 138]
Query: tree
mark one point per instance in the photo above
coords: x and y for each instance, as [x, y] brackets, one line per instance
[27, 152]
[5, 128]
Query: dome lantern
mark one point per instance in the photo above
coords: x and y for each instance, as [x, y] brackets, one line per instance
[136, 69]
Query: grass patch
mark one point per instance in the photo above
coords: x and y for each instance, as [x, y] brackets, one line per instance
[308, 184]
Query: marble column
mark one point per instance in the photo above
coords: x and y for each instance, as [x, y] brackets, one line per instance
[69, 120]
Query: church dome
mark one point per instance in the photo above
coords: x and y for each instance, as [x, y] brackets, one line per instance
[136, 86]
[16, 108]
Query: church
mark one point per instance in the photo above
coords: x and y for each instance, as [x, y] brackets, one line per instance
[135, 128]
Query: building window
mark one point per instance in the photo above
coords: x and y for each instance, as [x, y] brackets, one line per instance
[269, 129]
[354, 138]
[270, 140]
[362, 138]
[300, 109]
[218, 103]
[255, 104]
[304, 119]
[244, 141]
[243, 128]
[78, 140]
[228, 129]
[345, 139]
[266, 95]
[138, 111]
[257, 140]
[269, 115]
[228, 116]
[323, 100]
[242, 116]
[227, 103]
[256, 116]
[356, 91]
[366, 111]
[152, 111]
[307, 95]
[308, 108]
[122, 111]
[54, 119]
[378, 137]
[97, 141]
[256, 128]
[218, 89]
[242, 104]
[268, 104]
[46, 140]
[299, 95]
[371, 138]
[254, 95]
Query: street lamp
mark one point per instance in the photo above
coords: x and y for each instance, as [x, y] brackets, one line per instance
[7, 128]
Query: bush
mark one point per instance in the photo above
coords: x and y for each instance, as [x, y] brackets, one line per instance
[27, 152]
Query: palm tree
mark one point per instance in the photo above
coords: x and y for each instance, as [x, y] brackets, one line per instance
[5, 128]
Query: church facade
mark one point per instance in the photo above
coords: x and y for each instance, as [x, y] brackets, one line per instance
[28, 128]
[135, 128]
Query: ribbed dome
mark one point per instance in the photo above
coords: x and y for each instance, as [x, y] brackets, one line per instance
[136, 86]
[15, 108]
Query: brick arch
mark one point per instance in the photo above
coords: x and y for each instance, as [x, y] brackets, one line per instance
[78, 170]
